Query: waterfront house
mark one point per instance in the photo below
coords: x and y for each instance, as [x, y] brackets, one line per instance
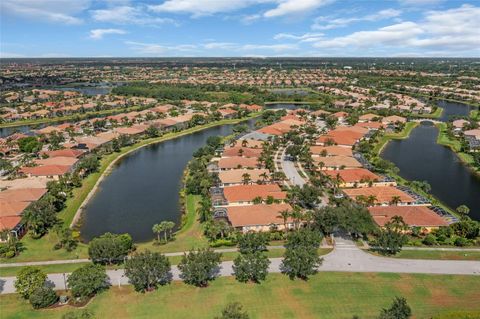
[239, 176]
[258, 218]
[241, 195]
[357, 177]
[379, 195]
[413, 216]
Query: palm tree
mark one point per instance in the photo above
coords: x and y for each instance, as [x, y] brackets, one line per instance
[371, 199]
[169, 225]
[296, 215]
[244, 143]
[395, 200]
[246, 178]
[264, 176]
[284, 214]
[204, 210]
[157, 229]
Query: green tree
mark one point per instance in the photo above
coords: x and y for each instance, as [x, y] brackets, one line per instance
[398, 310]
[391, 238]
[29, 144]
[28, 280]
[152, 131]
[233, 311]
[199, 267]
[301, 257]
[40, 216]
[252, 242]
[251, 267]
[158, 229]
[110, 248]
[43, 297]
[147, 270]
[87, 280]
[463, 210]
[89, 164]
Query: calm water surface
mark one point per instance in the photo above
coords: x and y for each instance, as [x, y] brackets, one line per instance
[143, 188]
[419, 157]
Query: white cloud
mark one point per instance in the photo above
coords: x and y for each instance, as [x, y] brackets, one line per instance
[419, 2]
[327, 23]
[199, 8]
[220, 46]
[269, 47]
[127, 15]
[154, 49]
[450, 31]
[203, 7]
[58, 11]
[98, 34]
[288, 7]
[307, 37]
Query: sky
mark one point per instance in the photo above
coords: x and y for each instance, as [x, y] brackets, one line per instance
[240, 28]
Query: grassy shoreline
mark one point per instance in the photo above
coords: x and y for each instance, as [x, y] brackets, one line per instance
[455, 146]
[405, 133]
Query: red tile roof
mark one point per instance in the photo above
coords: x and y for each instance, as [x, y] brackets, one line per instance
[244, 193]
[237, 162]
[412, 215]
[256, 214]
[353, 175]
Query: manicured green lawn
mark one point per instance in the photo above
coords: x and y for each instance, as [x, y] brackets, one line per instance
[325, 295]
[437, 254]
[189, 237]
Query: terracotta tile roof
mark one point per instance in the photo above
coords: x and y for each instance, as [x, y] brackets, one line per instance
[250, 143]
[237, 162]
[29, 182]
[256, 214]
[59, 160]
[9, 222]
[368, 117]
[10, 208]
[333, 150]
[249, 192]
[338, 161]
[353, 175]
[370, 125]
[246, 151]
[63, 153]
[22, 194]
[393, 119]
[412, 215]
[46, 170]
[383, 194]
[341, 137]
[234, 176]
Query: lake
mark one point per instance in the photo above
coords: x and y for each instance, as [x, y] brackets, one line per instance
[419, 157]
[143, 187]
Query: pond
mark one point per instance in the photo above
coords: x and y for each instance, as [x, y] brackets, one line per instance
[419, 157]
[143, 187]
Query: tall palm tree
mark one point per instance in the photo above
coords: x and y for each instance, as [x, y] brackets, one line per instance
[157, 229]
[246, 178]
[395, 200]
[284, 214]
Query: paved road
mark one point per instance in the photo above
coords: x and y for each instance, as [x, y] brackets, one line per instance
[346, 257]
[291, 172]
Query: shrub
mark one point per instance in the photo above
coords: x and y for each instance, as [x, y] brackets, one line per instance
[461, 241]
[429, 240]
[43, 297]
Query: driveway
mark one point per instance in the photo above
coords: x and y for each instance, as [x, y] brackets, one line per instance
[288, 167]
